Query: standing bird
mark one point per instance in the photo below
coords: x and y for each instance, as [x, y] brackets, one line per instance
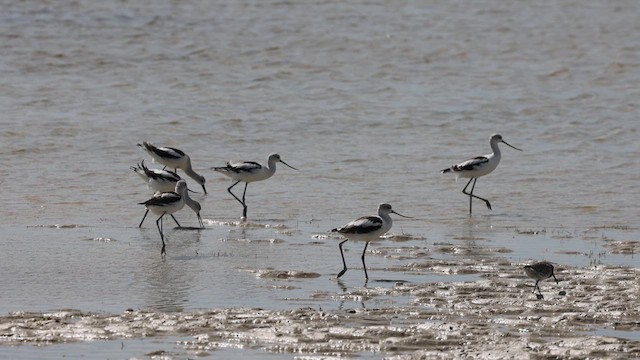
[479, 166]
[249, 171]
[540, 271]
[166, 203]
[161, 181]
[366, 228]
[173, 158]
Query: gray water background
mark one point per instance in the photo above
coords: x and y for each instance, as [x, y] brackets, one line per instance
[370, 100]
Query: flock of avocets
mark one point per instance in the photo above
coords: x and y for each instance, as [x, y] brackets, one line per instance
[171, 194]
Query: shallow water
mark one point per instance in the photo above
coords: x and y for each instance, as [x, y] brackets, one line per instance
[370, 100]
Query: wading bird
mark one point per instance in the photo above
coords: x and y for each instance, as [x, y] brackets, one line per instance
[366, 228]
[161, 181]
[479, 166]
[166, 203]
[540, 271]
[247, 172]
[175, 159]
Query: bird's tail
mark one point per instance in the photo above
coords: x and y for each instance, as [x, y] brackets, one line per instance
[335, 230]
[147, 146]
[140, 171]
[444, 171]
[143, 167]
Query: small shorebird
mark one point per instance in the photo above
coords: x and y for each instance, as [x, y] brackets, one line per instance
[249, 171]
[366, 228]
[166, 203]
[173, 158]
[540, 271]
[479, 166]
[161, 181]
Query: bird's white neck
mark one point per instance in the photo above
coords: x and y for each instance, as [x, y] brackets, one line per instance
[271, 165]
[496, 149]
[192, 174]
[385, 218]
[188, 200]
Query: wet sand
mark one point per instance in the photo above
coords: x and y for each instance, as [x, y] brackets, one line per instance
[495, 316]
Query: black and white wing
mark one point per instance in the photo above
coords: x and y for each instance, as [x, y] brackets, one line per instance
[162, 199]
[162, 175]
[471, 164]
[169, 153]
[363, 225]
[243, 166]
[163, 152]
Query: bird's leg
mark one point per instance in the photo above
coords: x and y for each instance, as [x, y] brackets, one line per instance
[240, 201]
[471, 194]
[159, 225]
[244, 211]
[539, 292]
[174, 219]
[200, 221]
[464, 191]
[478, 197]
[344, 263]
[475, 196]
[363, 264]
[144, 217]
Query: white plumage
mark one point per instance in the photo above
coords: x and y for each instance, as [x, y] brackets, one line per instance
[366, 228]
[479, 166]
[249, 171]
[161, 181]
[157, 179]
[175, 159]
[166, 203]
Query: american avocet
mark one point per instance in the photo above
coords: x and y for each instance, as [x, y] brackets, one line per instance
[167, 203]
[161, 181]
[157, 179]
[194, 205]
[175, 159]
[540, 271]
[249, 171]
[479, 166]
[366, 228]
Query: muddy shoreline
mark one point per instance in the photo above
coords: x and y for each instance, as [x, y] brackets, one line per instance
[496, 316]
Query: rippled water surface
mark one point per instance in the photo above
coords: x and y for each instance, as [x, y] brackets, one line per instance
[370, 100]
